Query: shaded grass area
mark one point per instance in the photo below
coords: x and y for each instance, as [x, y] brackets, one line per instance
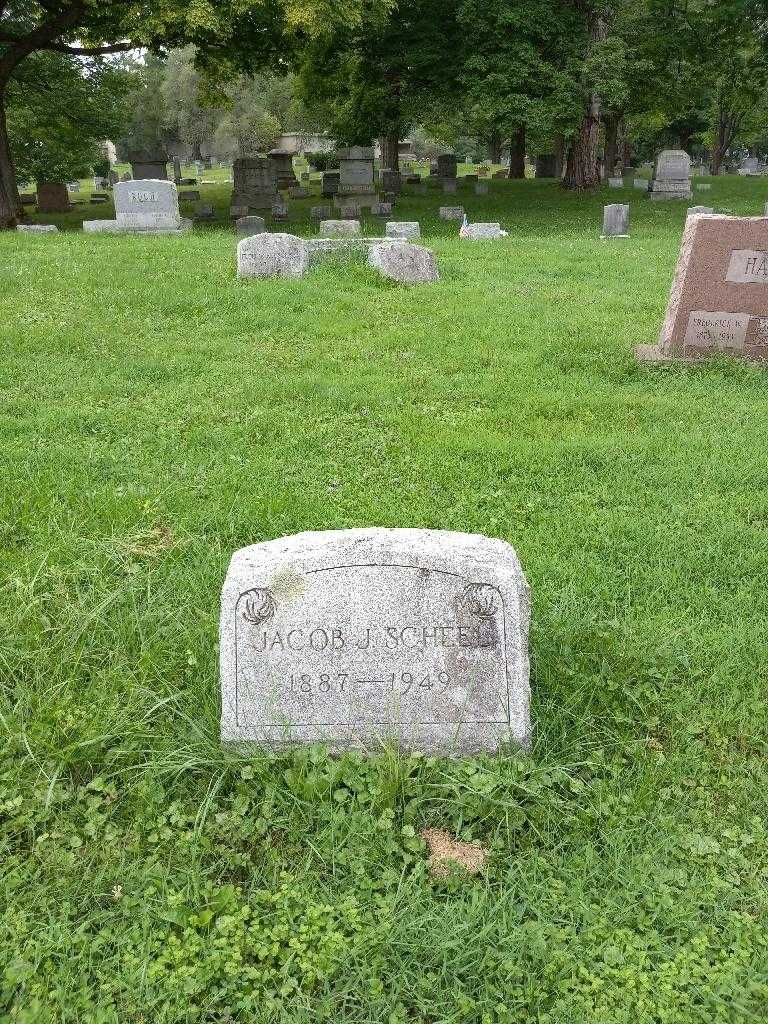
[156, 414]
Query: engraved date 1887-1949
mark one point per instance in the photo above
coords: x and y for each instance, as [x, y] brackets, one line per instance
[342, 682]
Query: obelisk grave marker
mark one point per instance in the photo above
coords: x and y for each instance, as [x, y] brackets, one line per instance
[719, 297]
[360, 638]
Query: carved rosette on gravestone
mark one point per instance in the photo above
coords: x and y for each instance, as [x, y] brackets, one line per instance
[719, 297]
[671, 176]
[253, 185]
[272, 255]
[615, 221]
[361, 638]
[143, 207]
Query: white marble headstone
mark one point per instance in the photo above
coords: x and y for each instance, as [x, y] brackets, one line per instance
[357, 638]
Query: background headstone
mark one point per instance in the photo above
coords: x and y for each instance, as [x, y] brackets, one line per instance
[154, 168]
[481, 230]
[616, 221]
[402, 229]
[451, 213]
[272, 255]
[446, 165]
[339, 228]
[359, 637]
[546, 166]
[671, 176]
[249, 225]
[282, 164]
[53, 197]
[253, 184]
[151, 206]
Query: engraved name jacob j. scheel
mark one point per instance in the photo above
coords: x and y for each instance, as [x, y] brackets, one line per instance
[476, 606]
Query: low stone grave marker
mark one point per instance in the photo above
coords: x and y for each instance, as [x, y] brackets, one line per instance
[640, 183]
[719, 297]
[671, 175]
[339, 228]
[53, 197]
[481, 188]
[451, 213]
[616, 183]
[615, 221]
[482, 230]
[205, 211]
[349, 211]
[449, 185]
[250, 225]
[297, 192]
[358, 638]
[28, 198]
[402, 229]
[272, 255]
[37, 229]
[403, 262]
[693, 211]
[143, 206]
[320, 212]
[191, 196]
[381, 210]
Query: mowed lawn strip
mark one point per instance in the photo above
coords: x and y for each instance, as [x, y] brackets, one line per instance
[156, 414]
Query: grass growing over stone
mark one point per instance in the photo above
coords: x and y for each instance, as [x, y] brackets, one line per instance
[155, 414]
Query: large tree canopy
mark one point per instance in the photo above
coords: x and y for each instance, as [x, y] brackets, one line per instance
[246, 33]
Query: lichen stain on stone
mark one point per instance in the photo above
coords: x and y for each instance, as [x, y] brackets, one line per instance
[288, 583]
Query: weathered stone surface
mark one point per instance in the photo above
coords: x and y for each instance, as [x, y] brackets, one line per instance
[449, 185]
[253, 185]
[382, 209]
[143, 206]
[298, 192]
[362, 637]
[481, 188]
[640, 183]
[150, 168]
[190, 196]
[719, 297]
[391, 180]
[451, 213]
[349, 211]
[282, 168]
[53, 197]
[339, 228]
[671, 175]
[320, 212]
[402, 229]
[205, 211]
[272, 255]
[28, 198]
[251, 225]
[355, 169]
[616, 221]
[695, 210]
[447, 165]
[400, 261]
[37, 229]
[481, 230]
[546, 166]
[330, 184]
[616, 183]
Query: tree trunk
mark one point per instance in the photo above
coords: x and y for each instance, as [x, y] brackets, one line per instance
[10, 204]
[582, 171]
[517, 154]
[611, 123]
[494, 147]
[390, 151]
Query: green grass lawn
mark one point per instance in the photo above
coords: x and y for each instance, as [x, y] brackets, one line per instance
[156, 414]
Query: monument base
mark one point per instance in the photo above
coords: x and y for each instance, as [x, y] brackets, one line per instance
[113, 227]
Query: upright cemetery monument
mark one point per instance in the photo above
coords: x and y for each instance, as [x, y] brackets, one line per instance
[671, 176]
[356, 177]
[143, 207]
[719, 297]
[360, 637]
[282, 163]
[149, 166]
[253, 185]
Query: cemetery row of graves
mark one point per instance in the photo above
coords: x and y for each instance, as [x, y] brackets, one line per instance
[260, 531]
